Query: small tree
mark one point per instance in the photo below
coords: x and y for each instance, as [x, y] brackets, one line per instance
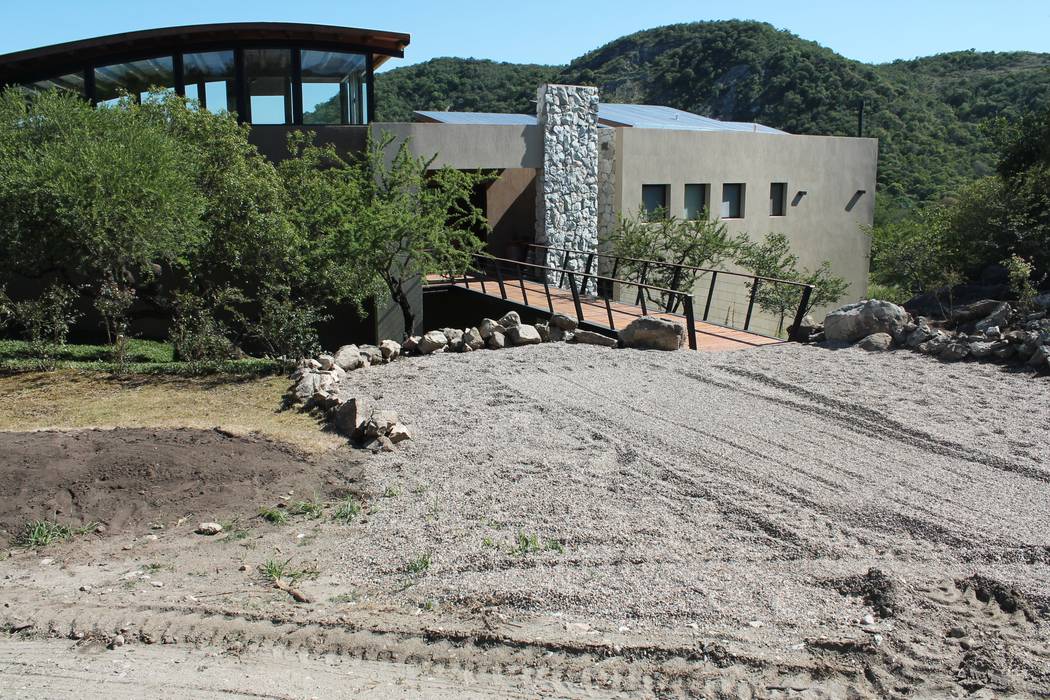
[46, 321]
[686, 244]
[772, 257]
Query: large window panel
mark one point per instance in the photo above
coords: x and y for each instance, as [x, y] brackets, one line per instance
[695, 201]
[654, 200]
[269, 76]
[335, 87]
[73, 82]
[210, 79]
[136, 78]
[733, 200]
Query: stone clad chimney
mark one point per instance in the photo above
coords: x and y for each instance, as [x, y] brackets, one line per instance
[567, 187]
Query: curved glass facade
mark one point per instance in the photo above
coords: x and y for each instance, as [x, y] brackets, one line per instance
[262, 85]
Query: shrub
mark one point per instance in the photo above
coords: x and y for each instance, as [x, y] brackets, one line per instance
[46, 321]
[196, 332]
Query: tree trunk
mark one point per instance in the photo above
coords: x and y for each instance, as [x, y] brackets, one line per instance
[398, 293]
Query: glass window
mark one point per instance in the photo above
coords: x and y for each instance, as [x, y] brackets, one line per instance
[136, 78]
[733, 201]
[335, 88]
[654, 199]
[777, 198]
[269, 76]
[209, 79]
[74, 82]
[695, 201]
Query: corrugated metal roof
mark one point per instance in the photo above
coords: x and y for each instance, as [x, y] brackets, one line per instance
[639, 116]
[478, 118]
[658, 117]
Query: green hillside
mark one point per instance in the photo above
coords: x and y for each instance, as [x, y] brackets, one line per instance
[925, 112]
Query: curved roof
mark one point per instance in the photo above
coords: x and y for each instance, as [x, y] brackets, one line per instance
[69, 56]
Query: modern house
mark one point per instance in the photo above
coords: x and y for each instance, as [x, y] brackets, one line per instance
[564, 174]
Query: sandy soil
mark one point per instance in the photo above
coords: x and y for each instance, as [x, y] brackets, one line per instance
[781, 521]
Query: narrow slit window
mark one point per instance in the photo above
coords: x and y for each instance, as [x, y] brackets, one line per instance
[732, 201]
[777, 198]
[695, 201]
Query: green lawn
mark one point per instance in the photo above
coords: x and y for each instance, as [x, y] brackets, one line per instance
[144, 357]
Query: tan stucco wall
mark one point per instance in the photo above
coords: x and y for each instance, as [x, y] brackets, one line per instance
[829, 169]
[470, 146]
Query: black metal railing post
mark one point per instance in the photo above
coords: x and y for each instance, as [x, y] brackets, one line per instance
[521, 281]
[672, 299]
[576, 297]
[564, 266]
[800, 313]
[587, 273]
[547, 291]
[710, 295]
[751, 302]
[690, 322]
[643, 279]
[499, 278]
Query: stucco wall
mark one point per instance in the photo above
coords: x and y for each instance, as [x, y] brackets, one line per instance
[470, 146]
[830, 170]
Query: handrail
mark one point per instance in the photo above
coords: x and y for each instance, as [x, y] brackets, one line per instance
[685, 297]
[671, 264]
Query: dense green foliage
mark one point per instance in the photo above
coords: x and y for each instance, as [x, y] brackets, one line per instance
[459, 85]
[925, 112]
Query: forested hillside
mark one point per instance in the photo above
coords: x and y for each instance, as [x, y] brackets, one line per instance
[925, 112]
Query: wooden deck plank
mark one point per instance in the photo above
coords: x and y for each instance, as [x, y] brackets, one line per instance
[709, 337]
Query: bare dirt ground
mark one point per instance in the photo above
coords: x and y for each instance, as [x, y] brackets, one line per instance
[572, 521]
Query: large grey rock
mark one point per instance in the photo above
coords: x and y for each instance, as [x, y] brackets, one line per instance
[592, 338]
[936, 344]
[487, 327]
[390, 349]
[852, 322]
[972, 312]
[652, 333]
[523, 334]
[452, 333]
[876, 342]
[472, 338]
[558, 334]
[998, 317]
[432, 341]
[1040, 357]
[496, 341]
[956, 350]
[326, 361]
[545, 332]
[1042, 301]
[917, 337]
[348, 357]
[349, 417]
[411, 344]
[984, 348]
[566, 323]
[371, 353]
[510, 319]
[307, 386]
[380, 423]
[399, 433]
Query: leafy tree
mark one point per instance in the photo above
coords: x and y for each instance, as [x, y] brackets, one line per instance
[772, 257]
[46, 321]
[685, 244]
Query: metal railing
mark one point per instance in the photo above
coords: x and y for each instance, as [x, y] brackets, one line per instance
[499, 266]
[678, 270]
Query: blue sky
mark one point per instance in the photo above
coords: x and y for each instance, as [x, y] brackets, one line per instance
[546, 31]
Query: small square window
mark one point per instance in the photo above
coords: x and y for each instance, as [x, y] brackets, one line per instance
[777, 198]
[654, 200]
[695, 201]
[733, 200]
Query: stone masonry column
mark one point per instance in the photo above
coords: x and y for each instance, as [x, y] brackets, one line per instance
[567, 186]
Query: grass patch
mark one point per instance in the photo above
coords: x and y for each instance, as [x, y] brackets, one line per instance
[144, 357]
[347, 511]
[311, 509]
[419, 565]
[530, 544]
[40, 533]
[274, 516]
[274, 570]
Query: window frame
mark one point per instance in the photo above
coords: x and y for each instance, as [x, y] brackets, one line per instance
[705, 200]
[741, 201]
[782, 200]
[650, 214]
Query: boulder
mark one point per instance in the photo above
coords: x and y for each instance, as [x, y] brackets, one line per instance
[456, 344]
[1040, 357]
[523, 334]
[592, 338]
[348, 418]
[472, 338]
[432, 341]
[1005, 353]
[348, 357]
[558, 334]
[390, 349]
[371, 353]
[510, 319]
[307, 387]
[309, 363]
[652, 333]
[326, 361]
[876, 342]
[999, 316]
[1042, 301]
[545, 332]
[852, 322]
[935, 345]
[972, 312]
[496, 341]
[380, 444]
[566, 323]
[399, 433]
[208, 529]
[411, 344]
[956, 350]
[452, 333]
[487, 327]
[380, 423]
[920, 335]
[806, 330]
